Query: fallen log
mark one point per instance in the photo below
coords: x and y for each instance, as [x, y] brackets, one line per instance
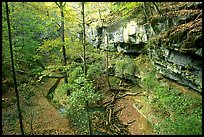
[110, 113]
[128, 94]
[120, 89]
[55, 77]
[117, 129]
[105, 104]
[118, 111]
[131, 122]
[50, 94]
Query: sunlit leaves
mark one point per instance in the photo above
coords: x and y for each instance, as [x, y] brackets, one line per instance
[82, 91]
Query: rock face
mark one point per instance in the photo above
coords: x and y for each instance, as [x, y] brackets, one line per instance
[127, 39]
[173, 40]
[177, 53]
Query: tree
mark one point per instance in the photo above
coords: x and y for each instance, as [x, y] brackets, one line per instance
[13, 69]
[27, 38]
[61, 6]
[84, 49]
[106, 42]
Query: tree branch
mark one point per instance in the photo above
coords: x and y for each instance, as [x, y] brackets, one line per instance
[157, 8]
[64, 4]
[57, 4]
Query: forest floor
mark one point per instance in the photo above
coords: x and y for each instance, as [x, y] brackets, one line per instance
[40, 117]
[45, 118]
[48, 120]
[137, 123]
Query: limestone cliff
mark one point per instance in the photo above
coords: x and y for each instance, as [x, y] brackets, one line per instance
[171, 35]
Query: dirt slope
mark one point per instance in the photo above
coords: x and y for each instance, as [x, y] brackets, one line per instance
[46, 120]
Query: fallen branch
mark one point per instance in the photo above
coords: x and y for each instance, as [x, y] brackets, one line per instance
[128, 94]
[110, 113]
[50, 94]
[105, 104]
[55, 77]
[118, 129]
[131, 122]
[120, 89]
[118, 111]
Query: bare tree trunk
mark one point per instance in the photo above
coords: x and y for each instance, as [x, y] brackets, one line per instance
[102, 23]
[61, 6]
[84, 40]
[107, 66]
[84, 48]
[62, 36]
[13, 69]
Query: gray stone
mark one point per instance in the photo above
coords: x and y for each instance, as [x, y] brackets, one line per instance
[179, 58]
[131, 34]
[199, 52]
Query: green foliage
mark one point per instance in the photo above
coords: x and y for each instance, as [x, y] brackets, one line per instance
[26, 91]
[182, 125]
[82, 91]
[51, 48]
[94, 71]
[150, 80]
[53, 70]
[125, 68]
[28, 29]
[75, 74]
[94, 55]
[114, 81]
[125, 8]
[185, 111]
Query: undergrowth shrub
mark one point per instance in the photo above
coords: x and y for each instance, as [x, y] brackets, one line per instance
[75, 74]
[125, 68]
[183, 112]
[94, 71]
[150, 80]
[82, 91]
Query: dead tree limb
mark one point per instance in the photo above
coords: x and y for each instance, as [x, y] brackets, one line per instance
[128, 94]
[110, 101]
[110, 113]
[156, 7]
[118, 111]
[55, 77]
[131, 122]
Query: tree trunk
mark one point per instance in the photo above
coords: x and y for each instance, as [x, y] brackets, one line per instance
[63, 47]
[84, 48]
[107, 65]
[13, 69]
[84, 40]
[106, 51]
